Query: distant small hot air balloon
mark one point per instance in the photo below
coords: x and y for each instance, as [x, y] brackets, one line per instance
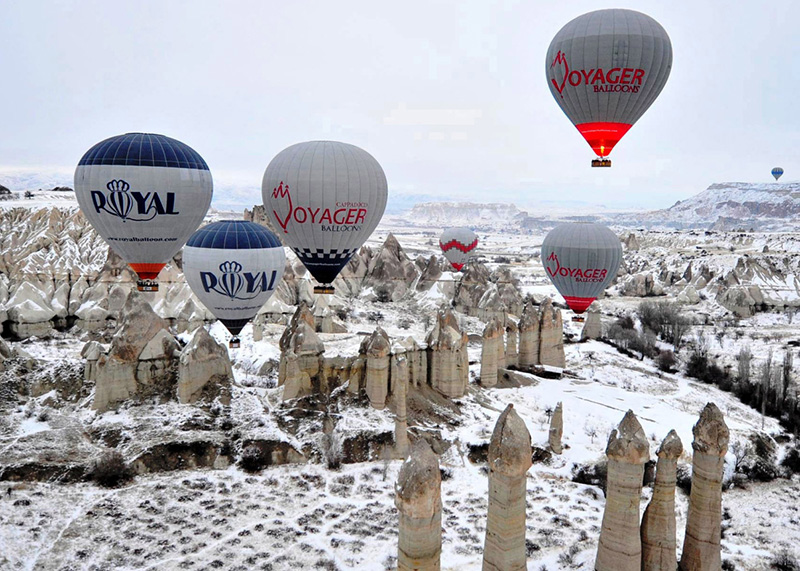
[605, 68]
[777, 172]
[233, 267]
[327, 198]
[581, 259]
[144, 194]
[457, 244]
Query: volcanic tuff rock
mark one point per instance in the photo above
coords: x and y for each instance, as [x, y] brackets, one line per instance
[447, 355]
[400, 390]
[301, 363]
[202, 360]
[391, 273]
[529, 336]
[509, 461]
[551, 336]
[376, 347]
[658, 523]
[140, 359]
[620, 545]
[556, 429]
[592, 327]
[492, 341]
[418, 497]
[701, 544]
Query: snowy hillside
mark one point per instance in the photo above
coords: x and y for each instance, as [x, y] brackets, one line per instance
[729, 206]
[476, 216]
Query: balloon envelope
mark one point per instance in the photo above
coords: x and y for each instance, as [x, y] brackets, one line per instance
[233, 267]
[777, 172]
[144, 194]
[604, 69]
[581, 259]
[326, 198]
[457, 244]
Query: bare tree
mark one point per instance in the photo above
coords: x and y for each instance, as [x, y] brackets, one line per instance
[766, 378]
[744, 358]
[786, 375]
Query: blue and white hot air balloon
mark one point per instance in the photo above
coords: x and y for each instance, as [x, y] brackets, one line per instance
[233, 267]
[144, 194]
[777, 172]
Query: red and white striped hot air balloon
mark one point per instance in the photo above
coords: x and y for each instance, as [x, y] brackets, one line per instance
[457, 244]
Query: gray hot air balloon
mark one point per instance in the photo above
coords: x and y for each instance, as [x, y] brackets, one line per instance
[457, 244]
[777, 172]
[144, 194]
[233, 267]
[605, 68]
[581, 259]
[326, 198]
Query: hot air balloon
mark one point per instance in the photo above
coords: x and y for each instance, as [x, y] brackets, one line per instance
[233, 267]
[326, 198]
[581, 259]
[605, 69]
[144, 194]
[457, 244]
[777, 172]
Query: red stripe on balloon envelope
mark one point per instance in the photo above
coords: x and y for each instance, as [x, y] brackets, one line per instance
[459, 246]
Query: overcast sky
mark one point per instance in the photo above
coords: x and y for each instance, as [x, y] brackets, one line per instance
[450, 97]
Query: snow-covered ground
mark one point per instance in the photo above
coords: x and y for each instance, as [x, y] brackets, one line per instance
[304, 516]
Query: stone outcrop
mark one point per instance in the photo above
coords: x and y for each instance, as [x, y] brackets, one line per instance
[641, 285]
[92, 351]
[431, 272]
[391, 273]
[551, 336]
[492, 339]
[701, 544]
[509, 461]
[528, 337]
[418, 497]
[556, 429]
[511, 344]
[659, 543]
[202, 360]
[301, 356]
[376, 347]
[447, 356]
[592, 327]
[620, 545]
[400, 391]
[417, 361]
[140, 358]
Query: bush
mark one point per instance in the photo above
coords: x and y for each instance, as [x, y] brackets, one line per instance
[684, 478]
[625, 322]
[252, 459]
[792, 460]
[665, 320]
[784, 561]
[110, 470]
[762, 470]
[666, 361]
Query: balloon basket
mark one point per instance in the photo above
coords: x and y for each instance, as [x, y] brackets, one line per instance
[234, 343]
[146, 285]
[324, 289]
[601, 162]
[578, 318]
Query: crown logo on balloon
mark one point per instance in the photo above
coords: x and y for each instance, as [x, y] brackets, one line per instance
[118, 186]
[230, 267]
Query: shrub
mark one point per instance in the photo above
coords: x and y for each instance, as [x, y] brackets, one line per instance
[684, 478]
[785, 561]
[252, 459]
[792, 460]
[110, 470]
[666, 361]
[625, 322]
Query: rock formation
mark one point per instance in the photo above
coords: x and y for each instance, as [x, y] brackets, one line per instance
[592, 328]
[431, 271]
[620, 545]
[511, 343]
[658, 523]
[91, 352]
[376, 347]
[140, 358]
[390, 273]
[418, 497]
[300, 339]
[509, 461]
[501, 341]
[556, 429]
[447, 355]
[529, 336]
[400, 390]
[701, 544]
[551, 336]
[489, 351]
[417, 361]
[202, 360]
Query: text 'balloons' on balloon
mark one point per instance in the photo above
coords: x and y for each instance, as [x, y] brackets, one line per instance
[605, 69]
[233, 267]
[144, 194]
[327, 198]
[457, 244]
[581, 259]
[777, 172]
